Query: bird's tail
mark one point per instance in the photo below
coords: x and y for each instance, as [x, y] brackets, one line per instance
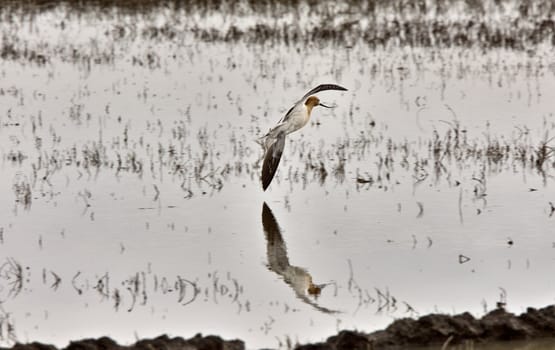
[270, 137]
[261, 140]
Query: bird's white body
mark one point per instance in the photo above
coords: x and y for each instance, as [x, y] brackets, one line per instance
[297, 117]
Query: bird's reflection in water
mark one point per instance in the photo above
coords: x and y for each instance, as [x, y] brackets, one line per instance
[298, 278]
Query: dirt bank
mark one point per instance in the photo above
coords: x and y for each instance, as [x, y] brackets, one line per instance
[497, 325]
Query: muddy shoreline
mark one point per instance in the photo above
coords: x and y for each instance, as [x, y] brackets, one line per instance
[433, 329]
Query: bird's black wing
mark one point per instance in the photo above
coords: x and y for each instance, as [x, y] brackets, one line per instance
[323, 87]
[270, 225]
[271, 160]
[275, 245]
[288, 114]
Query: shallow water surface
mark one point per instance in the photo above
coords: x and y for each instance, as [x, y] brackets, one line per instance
[133, 205]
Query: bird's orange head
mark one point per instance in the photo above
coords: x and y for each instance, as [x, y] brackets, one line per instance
[314, 290]
[311, 102]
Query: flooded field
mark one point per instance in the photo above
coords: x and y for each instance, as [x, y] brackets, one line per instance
[131, 196]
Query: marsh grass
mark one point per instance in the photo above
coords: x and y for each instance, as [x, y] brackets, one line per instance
[200, 168]
[7, 327]
[518, 25]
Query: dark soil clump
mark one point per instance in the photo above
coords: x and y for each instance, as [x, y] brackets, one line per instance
[498, 325]
[164, 342]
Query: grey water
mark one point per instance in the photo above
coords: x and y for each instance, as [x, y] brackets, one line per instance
[132, 204]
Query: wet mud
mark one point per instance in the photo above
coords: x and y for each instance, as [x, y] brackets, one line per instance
[434, 329]
[198, 342]
[497, 325]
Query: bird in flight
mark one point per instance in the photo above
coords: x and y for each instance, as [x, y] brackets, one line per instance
[297, 117]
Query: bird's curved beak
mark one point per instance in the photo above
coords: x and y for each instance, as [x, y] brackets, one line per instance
[323, 105]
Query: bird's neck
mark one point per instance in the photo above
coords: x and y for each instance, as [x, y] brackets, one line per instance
[309, 109]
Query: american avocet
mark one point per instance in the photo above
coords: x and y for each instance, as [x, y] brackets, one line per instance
[298, 278]
[297, 117]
